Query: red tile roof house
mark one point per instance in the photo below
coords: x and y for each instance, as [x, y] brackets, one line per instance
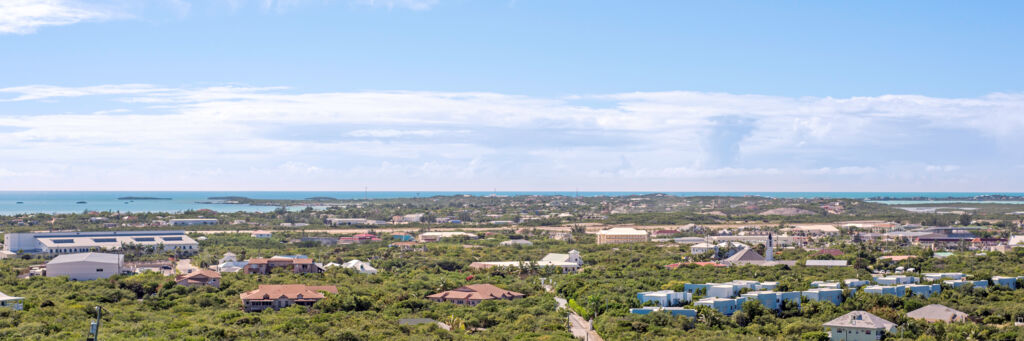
[199, 278]
[474, 293]
[277, 296]
[296, 265]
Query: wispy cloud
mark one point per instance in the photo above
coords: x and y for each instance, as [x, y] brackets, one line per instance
[250, 137]
[26, 16]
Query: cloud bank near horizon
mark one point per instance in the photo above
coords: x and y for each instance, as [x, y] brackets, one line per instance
[233, 137]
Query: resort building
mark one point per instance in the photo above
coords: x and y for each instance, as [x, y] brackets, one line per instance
[192, 222]
[514, 242]
[621, 235]
[664, 298]
[834, 296]
[201, 277]
[473, 294]
[773, 300]
[85, 266]
[57, 243]
[427, 237]
[261, 234]
[726, 306]
[277, 296]
[293, 264]
[938, 276]
[675, 311]
[858, 325]
[353, 221]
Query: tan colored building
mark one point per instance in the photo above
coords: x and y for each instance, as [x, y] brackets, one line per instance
[474, 293]
[199, 278]
[296, 265]
[277, 296]
[621, 235]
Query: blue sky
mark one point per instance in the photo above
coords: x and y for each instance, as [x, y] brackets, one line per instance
[514, 95]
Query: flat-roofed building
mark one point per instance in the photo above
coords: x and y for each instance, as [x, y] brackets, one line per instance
[834, 296]
[621, 235]
[193, 222]
[85, 266]
[57, 243]
[726, 306]
[664, 298]
[427, 237]
[675, 311]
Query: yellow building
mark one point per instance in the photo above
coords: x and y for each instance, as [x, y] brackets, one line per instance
[621, 235]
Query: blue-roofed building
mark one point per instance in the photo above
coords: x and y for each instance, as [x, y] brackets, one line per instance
[773, 300]
[835, 296]
[664, 298]
[959, 283]
[938, 276]
[854, 283]
[897, 290]
[926, 290]
[825, 285]
[692, 288]
[726, 306]
[1007, 282]
[403, 237]
[896, 279]
[675, 311]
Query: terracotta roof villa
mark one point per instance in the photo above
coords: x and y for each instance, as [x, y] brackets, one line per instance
[474, 293]
[858, 325]
[296, 265]
[277, 296]
[199, 278]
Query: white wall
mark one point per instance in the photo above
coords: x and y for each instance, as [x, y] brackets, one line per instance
[82, 271]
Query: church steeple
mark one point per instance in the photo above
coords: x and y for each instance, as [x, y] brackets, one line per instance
[769, 254]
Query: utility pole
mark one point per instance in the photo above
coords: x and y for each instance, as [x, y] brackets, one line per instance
[94, 327]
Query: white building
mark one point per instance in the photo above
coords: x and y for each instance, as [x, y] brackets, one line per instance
[858, 325]
[621, 235]
[353, 221]
[360, 267]
[11, 301]
[193, 221]
[516, 242]
[260, 234]
[702, 248]
[435, 236]
[77, 242]
[85, 266]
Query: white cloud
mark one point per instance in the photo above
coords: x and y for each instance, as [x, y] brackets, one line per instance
[26, 16]
[253, 136]
[417, 5]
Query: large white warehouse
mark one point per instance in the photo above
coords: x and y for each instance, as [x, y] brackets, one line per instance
[57, 243]
[85, 266]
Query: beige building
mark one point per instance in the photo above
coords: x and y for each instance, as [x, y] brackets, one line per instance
[621, 235]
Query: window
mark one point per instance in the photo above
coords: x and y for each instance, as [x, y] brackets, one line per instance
[99, 270]
[104, 240]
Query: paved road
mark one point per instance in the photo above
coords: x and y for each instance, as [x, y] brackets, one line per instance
[581, 329]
